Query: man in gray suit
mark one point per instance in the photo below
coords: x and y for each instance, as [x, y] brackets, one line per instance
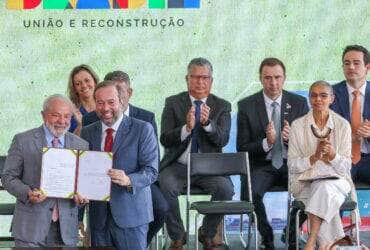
[40, 221]
[193, 121]
[135, 167]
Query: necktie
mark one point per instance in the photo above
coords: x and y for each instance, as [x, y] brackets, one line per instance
[195, 131]
[277, 149]
[108, 144]
[355, 124]
[55, 142]
[55, 214]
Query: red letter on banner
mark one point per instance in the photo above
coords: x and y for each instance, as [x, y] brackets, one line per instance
[30, 4]
[122, 4]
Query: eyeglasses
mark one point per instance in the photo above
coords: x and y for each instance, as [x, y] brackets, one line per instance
[201, 77]
[321, 95]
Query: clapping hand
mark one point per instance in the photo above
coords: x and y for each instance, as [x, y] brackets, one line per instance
[270, 133]
[324, 152]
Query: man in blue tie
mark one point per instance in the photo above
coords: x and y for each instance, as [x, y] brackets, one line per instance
[193, 121]
[264, 120]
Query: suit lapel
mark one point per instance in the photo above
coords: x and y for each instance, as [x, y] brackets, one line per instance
[67, 141]
[185, 104]
[366, 112]
[97, 136]
[261, 110]
[39, 138]
[40, 142]
[286, 109]
[343, 101]
[211, 103]
[122, 132]
[133, 111]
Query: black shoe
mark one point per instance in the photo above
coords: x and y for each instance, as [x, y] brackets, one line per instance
[283, 237]
[267, 244]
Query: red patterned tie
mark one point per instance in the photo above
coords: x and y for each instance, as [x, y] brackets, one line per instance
[355, 124]
[55, 214]
[108, 144]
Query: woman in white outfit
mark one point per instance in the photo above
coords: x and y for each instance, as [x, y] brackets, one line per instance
[319, 161]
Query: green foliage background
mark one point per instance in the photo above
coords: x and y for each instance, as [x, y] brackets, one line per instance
[235, 35]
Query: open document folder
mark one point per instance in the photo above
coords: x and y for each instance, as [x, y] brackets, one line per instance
[65, 172]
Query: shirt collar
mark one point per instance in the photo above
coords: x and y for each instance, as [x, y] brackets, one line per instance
[49, 136]
[204, 100]
[269, 101]
[351, 89]
[329, 123]
[115, 126]
[127, 111]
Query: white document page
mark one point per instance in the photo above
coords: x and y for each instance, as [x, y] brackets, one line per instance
[58, 172]
[93, 181]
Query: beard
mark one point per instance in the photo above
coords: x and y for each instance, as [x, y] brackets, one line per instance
[115, 116]
[54, 132]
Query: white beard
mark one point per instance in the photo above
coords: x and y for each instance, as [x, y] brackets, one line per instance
[54, 132]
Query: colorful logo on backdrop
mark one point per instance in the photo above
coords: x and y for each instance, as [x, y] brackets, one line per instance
[100, 4]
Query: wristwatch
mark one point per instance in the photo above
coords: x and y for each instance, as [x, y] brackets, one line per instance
[206, 123]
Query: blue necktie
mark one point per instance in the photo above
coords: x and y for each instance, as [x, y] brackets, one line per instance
[277, 149]
[195, 131]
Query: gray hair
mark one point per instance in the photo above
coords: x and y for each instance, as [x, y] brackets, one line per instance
[321, 83]
[105, 84]
[47, 102]
[200, 62]
[118, 76]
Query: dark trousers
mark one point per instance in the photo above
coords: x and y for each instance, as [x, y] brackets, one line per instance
[172, 181]
[53, 239]
[160, 209]
[361, 171]
[120, 238]
[292, 232]
[262, 180]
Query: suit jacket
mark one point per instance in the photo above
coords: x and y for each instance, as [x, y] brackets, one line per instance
[253, 119]
[341, 104]
[174, 118]
[135, 150]
[135, 112]
[22, 171]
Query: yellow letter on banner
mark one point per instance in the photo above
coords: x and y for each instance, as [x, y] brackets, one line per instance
[134, 4]
[14, 4]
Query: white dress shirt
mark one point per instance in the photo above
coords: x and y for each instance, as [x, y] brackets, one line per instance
[183, 159]
[115, 127]
[269, 109]
[364, 148]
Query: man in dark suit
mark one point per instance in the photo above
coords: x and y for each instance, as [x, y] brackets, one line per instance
[264, 120]
[41, 221]
[349, 94]
[193, 121]
[123, 222]
[160, 205]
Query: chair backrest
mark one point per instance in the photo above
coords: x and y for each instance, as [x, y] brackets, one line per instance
[219, 164]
